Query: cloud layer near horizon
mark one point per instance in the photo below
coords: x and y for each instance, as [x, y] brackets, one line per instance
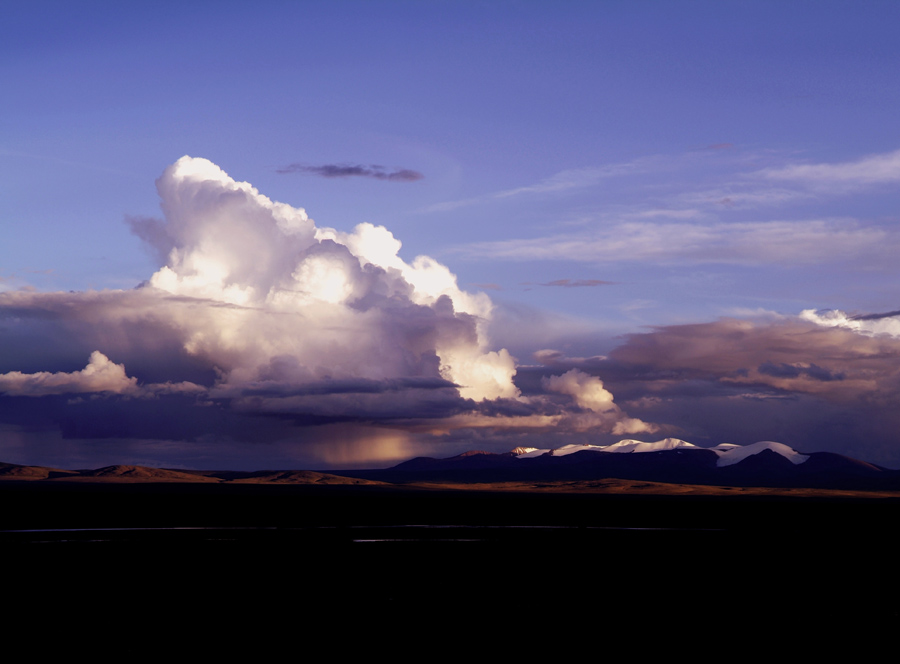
[819, 382]
[258, 313]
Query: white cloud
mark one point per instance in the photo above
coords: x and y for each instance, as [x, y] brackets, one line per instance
[100, 375]
[868, 325]
[589, 394]
[340, 304]
[254, 289]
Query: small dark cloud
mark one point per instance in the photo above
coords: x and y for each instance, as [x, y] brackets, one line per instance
[813, 371]
[354, 170]
[889, 314]
[577, 283]
[552, 357]
[820, 373]
[490, 286]
[548, 356]
[720, 146]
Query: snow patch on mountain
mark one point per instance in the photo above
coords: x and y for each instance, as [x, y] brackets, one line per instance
[729, 453]
[724, 447]
[739, 453]
[560, 451]
[628, 446]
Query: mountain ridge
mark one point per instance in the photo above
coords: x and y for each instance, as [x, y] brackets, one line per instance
[670, 461]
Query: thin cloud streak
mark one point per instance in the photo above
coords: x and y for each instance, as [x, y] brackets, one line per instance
[692, 209]
[578, 283]
[566, 180]
[354, 170]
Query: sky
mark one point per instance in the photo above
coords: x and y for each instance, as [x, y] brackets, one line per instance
[343, 234]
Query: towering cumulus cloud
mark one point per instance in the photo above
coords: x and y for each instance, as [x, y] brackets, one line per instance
[313, 304]
[260, 325]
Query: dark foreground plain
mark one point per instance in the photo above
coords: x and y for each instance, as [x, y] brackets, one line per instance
[415, 571]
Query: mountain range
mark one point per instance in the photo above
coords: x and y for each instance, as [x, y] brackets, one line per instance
[669, 461]
[762, 464]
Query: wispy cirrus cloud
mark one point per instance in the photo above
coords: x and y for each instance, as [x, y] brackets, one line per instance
[749, 243]
[790, 183]
[740, 195]
[871, 169]
[354, 170]
[570, 179]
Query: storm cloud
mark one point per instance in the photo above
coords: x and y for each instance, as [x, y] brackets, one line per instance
[261, 319]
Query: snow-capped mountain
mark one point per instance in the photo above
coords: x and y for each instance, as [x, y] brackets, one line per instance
[765, 463]
[728, 453]
[732, 454]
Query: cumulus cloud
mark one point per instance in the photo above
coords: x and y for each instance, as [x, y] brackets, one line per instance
[330, 304]
[589, 393]
[100, 375]
[354, 170]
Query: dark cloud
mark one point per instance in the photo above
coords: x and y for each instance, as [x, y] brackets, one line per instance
[357, 386]
[354, 170]
[796, 370]
[808, 386]
[890, 314]
[813, 387]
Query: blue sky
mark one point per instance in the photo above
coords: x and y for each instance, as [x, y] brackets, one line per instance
[597, 169]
